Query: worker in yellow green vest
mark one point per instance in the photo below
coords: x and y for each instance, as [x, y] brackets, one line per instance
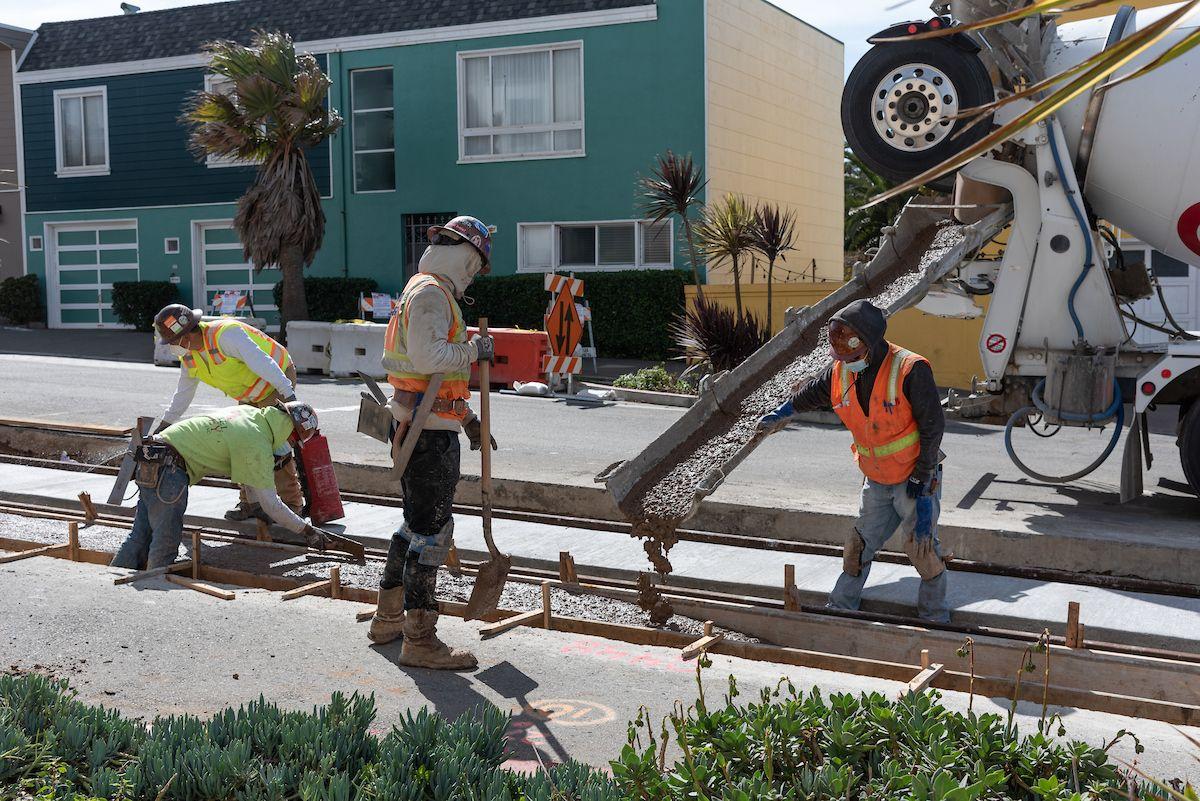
[427, 335]
[240, 361]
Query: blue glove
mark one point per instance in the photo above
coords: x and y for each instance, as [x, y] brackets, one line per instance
[916, 487]
[924, 528]
[777, 419]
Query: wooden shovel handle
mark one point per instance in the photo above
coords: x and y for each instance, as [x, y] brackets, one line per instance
[485, 444]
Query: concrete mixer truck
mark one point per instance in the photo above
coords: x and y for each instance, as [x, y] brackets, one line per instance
[1056, 347]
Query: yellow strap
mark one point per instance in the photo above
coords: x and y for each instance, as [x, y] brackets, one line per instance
[889, 448]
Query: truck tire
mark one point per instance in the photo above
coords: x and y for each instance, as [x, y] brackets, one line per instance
[1189, 445]
[898, 98]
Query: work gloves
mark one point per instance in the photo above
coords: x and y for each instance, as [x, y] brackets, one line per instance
[315, 537]
[777, 419]
[921, 490]
[485, 348]
[474, 432]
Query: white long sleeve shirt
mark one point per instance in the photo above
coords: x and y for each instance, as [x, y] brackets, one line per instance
[276, 509]
[236, 344]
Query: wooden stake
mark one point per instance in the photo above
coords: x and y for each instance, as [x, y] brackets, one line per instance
[546, 621]
[207, 589]
[1074, 628]
[306, 589]
[789, 584]
[453, 563]
[335, 582]
[264, 531]
[695, 649]
[178, 567]
[501, 626]
[566, 568]
[359, 617]
[45, 550]
[922, 680]
[73, 540]
[924, 659]
[89, 508]
[195, 553]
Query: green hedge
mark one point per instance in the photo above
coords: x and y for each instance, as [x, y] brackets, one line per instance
[137, 302]
[632, 310]
[21, 300]
[331, 299]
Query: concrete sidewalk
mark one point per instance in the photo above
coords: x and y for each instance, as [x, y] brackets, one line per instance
[156, 648]
[1142, 619]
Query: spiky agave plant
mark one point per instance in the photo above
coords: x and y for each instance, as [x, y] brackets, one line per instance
[773, 235]
[275, 111]
[724, 235]
[675, 186]
[1046, 99]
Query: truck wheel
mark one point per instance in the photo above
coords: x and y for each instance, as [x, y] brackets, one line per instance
[897, 104]
[1189, 446]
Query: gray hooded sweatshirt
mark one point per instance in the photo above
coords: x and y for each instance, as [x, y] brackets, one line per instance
[919, 387]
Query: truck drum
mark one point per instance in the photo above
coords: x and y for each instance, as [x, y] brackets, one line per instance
[899, 99]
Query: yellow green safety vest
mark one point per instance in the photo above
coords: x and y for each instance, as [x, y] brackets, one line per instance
[402, 373]
[230, 375]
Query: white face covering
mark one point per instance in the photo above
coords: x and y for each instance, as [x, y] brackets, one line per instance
[178, 351]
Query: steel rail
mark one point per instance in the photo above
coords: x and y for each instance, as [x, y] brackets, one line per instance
[617, 589]
[1029, 573]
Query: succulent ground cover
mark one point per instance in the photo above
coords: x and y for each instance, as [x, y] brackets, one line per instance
[786, 744]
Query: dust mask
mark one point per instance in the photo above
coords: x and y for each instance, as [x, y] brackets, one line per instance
[857, 367]
[178, 351]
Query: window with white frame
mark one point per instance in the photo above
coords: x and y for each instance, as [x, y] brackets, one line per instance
[220, 85]
[373, 130]
[616, 245]
[81, 131]
[522, 102]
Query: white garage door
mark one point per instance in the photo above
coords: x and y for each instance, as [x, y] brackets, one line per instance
[1181, 290]
[219, 266]
[83, 260]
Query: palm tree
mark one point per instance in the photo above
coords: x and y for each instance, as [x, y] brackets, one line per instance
[773, 235]
[275, 111]
[724, 233]
[674, 187]
[863, 224]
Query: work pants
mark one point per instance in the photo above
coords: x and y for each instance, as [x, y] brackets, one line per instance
[287, 479]
[428, 488]
[158, 523]
[883, 508]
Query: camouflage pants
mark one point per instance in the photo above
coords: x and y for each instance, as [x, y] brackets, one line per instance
[428, 488]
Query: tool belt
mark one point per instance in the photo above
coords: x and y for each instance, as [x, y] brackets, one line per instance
[457, 406]
[151, 456]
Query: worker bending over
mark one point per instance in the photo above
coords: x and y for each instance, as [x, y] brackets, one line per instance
[241, 443]
[427, 335]
[240, 361]
[886, 396]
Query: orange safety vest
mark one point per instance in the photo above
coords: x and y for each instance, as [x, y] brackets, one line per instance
[886, 443]
[402, 373]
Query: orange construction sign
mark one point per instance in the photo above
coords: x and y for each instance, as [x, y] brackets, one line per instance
[563, 325]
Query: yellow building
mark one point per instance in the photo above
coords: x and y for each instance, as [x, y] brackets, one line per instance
[774, 132]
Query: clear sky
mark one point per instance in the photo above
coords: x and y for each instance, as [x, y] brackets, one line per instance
[849, 20]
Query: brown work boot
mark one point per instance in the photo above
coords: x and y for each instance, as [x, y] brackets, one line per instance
[247, 511]
[388, 623]
[422, 648]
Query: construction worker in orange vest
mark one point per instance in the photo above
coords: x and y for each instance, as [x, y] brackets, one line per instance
[427, 335]
[243, 363]
[887, 397]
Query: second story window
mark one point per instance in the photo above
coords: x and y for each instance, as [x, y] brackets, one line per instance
[81, 131]
[521, 103]
[373, 130]
[220, 85]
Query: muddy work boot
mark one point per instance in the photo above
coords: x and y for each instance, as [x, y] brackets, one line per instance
[388, 623]
[247, 511]
[422, 648]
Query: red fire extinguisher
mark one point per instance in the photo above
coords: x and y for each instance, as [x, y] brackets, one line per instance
[318, 480]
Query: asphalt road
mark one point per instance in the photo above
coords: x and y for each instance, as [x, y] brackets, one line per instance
[560, 441]
[155, 648]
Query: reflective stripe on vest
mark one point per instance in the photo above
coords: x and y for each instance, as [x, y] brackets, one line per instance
[402, 373]
[886, 442]
[233, 376]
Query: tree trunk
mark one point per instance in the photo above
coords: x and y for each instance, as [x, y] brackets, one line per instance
[770, 289]
[294, 303]
[687, 232]
[737, 286]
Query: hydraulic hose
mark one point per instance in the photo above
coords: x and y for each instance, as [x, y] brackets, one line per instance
[1083, 228]
[1099, 417]
[1117, 408]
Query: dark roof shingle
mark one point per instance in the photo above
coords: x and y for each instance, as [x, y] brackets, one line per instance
[182, 31]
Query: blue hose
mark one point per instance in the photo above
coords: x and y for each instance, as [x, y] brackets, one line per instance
[1084, 229]
[1116, 408]
[1099, 417]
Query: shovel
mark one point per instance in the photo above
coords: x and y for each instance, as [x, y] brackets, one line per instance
[493, 574]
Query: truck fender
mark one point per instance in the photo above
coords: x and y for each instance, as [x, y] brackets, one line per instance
[960, 40]
[1178, 362]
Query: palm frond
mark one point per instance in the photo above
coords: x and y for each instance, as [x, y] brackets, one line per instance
[773, 232]
[1102, 65]
[673, 187]
[724, 230]
[1015, 15]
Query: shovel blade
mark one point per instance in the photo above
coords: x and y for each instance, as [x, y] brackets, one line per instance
[489, 584]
